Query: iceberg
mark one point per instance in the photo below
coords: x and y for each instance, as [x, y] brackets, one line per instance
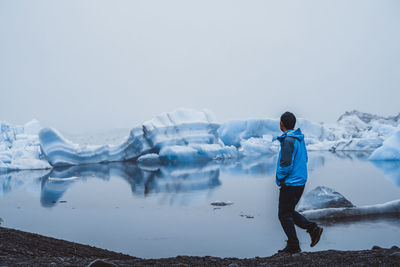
[189, 136]
[61, 152]
[180, 128]
[236, 131]
[359, 131]
[390, 150]
[183, 135]
[20, 147]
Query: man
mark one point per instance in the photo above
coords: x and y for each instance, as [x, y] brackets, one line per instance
[291, 176]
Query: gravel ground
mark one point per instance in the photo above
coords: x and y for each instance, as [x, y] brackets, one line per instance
[19, 248]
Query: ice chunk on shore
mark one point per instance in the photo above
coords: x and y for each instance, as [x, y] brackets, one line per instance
[390, 150]
[323, 197]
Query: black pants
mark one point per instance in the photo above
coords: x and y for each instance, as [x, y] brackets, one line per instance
[289, 196]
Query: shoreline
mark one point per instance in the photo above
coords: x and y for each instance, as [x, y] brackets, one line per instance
[29, 249]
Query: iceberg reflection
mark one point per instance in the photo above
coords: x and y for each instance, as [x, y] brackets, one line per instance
[169, 179]
[391, 170]
[163, 179]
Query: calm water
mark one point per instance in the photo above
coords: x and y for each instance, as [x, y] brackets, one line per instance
[166, 211]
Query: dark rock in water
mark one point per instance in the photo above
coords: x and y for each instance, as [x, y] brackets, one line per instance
[376, 247]
[101, 263]
[221, 203]
[323, 197]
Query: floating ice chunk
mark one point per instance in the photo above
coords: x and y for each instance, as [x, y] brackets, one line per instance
[181, 127]
[325, 204]
[390, 150]
[388, 208]
[323, 197]
[61, 152]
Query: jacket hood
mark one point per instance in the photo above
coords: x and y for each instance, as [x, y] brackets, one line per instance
[293, 133]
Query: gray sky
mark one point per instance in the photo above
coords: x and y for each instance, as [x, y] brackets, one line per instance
[80, 65]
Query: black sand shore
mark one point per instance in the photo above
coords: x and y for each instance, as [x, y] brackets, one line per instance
[19, 248]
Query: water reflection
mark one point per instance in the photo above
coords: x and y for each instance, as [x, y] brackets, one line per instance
[391, 170]
[28, 181]
[168, 179]
[164, 179]
[352, 155]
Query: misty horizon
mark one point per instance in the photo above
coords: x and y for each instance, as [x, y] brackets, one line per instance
[93, 65]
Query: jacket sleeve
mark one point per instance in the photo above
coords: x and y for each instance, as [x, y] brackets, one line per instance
[285, 165]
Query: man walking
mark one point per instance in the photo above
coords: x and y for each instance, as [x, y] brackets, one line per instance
[291, 176]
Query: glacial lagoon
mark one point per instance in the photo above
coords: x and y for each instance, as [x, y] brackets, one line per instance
[164, 211]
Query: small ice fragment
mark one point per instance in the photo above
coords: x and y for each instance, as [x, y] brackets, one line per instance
[247, 216]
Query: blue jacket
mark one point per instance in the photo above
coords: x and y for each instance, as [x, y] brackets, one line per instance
[292, 161]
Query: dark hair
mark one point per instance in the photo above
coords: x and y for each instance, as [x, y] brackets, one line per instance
[288, 119]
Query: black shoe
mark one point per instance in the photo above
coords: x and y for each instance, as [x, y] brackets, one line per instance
[315, 235]
[291, 249]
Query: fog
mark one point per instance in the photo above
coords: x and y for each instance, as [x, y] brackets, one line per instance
[88, 65]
